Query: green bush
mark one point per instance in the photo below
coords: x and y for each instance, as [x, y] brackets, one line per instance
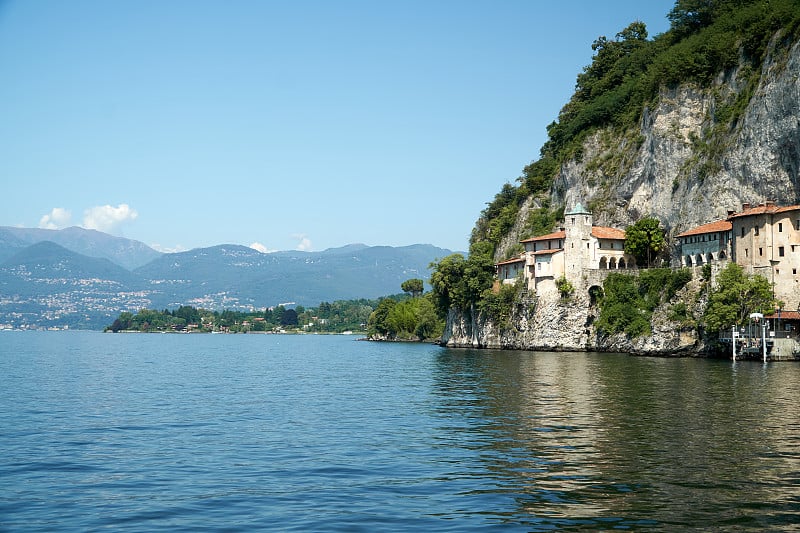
[565, 288]
[497, 305]
[628, 301]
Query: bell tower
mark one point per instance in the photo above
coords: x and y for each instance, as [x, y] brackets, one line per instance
[577, 242]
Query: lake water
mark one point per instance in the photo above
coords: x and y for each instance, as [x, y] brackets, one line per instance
[323, 433]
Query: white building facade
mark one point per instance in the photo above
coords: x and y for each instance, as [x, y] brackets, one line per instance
[577, 247]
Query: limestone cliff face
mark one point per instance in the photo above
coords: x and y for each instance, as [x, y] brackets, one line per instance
[555, 324]
[682, 165]
[686, 167]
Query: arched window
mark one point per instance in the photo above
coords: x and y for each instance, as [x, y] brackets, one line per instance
[621, 263]
[699, 259]
[603, 263]
[612, 263]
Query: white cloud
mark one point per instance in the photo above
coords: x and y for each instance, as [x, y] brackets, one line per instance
[305, 243]
[56, 219]
[169, 249]
[261, 248]
[106, 218]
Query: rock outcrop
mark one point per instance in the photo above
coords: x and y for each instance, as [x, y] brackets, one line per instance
[556, 324]
[683, 166]
[665, 169]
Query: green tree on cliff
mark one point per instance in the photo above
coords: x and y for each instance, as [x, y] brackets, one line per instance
[645, 241]
[460, 283]
[735, 296]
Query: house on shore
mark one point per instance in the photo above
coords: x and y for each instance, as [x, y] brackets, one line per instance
[579, 246]
[762, 239]
[705, 244]
[508, 271]
[766, 241]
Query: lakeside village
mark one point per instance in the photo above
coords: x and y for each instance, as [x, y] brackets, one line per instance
[763, 239]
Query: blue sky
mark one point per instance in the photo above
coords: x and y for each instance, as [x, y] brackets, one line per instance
[283, 124]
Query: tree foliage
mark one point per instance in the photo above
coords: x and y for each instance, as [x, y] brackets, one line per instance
[565, 288]
[645, 240]
[734, 297]
[497, 305]
[460, 283]
[627, 302]
[620, 309]
[409, 319]
[542, 220]
[328, 317]
[415, 287]
[690, 16]
[706, 37]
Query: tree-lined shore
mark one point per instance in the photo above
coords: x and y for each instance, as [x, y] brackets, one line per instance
[408, 316]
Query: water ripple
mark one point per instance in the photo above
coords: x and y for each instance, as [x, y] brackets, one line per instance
[141, 433]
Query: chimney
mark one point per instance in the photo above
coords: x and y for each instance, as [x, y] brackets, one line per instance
[745, 206]
[770, 203]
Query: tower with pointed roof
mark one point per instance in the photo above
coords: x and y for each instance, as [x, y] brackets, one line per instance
[577, 251]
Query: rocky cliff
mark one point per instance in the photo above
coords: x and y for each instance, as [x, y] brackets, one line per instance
[696, 154]
[689, 164]
[552, 323]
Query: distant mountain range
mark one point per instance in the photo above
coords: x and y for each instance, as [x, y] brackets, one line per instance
[84, 278]
[127, 253]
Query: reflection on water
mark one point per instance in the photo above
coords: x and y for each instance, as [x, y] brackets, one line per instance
[321, 433]
[608, 440]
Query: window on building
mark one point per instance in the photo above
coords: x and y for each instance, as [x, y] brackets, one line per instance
[742, 231]
[780, 251]
[780, 227]
[755, 230]
[572, 221]
[746, 252]
[794, 272]
[760, 252]
[797, 224]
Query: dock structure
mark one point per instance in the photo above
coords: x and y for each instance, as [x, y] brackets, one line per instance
[769, 338]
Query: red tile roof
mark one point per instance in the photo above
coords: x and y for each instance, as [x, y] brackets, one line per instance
[602, 232]
[557, 235]
[712, 227]
[511, 261]
[764, 209]
[786, 315]
[546, 252]
[599, 232]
